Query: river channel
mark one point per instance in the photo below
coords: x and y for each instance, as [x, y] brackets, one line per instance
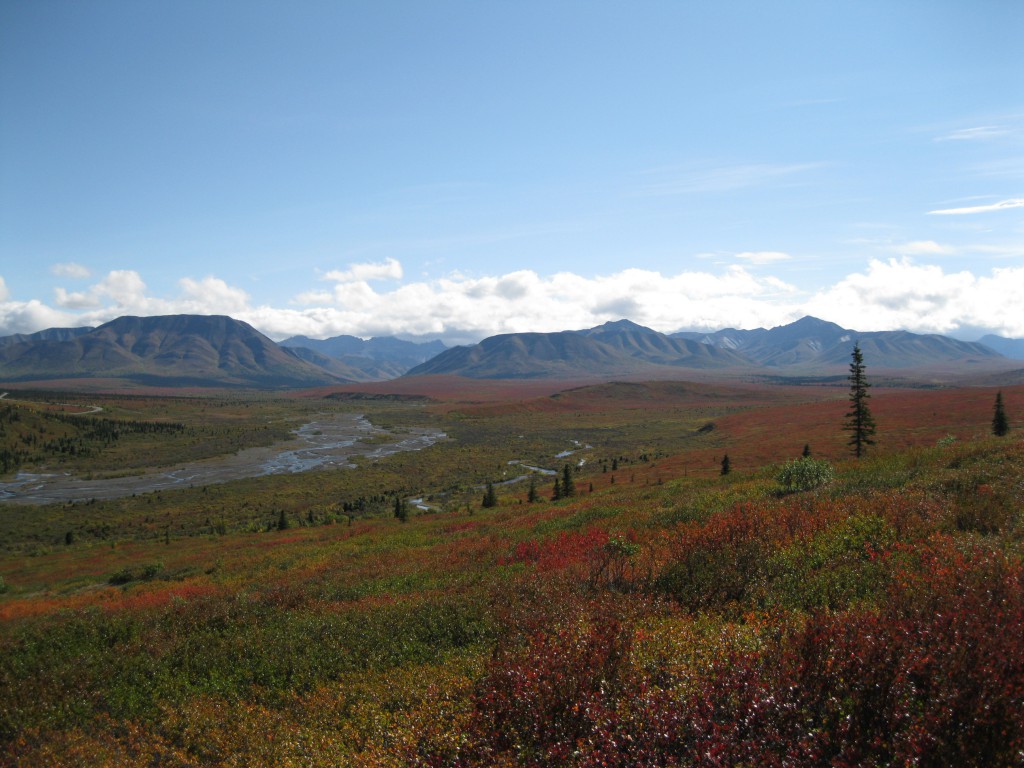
[328, 442]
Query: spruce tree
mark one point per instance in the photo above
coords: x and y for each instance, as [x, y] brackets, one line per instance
[859, 422]
[490, 497]
[401, 509]
[568, 486]
[556, 494]
[531, 495]
[1000, 425]
[726, 465]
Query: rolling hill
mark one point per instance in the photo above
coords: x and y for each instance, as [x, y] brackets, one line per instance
[173, 350]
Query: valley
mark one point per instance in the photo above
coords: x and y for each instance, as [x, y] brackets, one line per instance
[385, 614]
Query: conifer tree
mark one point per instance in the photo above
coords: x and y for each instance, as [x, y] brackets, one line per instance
[490, 497]
[531, 495]
[807, 451]
[1000, 424]
[859, 422]
[726, 465]
[568, 486]
[401, 508]
[556, 494]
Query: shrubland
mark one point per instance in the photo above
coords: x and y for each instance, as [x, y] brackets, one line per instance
[798, 611]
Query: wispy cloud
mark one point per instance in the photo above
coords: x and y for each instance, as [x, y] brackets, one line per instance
[72, 270]
[763, 257]
[979, 133]
[1000, 206]
[389, 269]
[685, 180]
[923, 248]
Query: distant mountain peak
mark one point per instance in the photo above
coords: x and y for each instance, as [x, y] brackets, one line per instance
[621, 325]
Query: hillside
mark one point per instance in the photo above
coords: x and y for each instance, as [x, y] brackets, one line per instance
[188, 350]
[183, 350]
[810, 342]
[806, 346]
[621, 348]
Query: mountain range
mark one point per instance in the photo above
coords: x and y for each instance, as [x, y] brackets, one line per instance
[807, 345]
[200, 350]
[364, 359]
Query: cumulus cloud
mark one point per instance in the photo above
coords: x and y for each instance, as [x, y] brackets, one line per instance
[4, 293]
[458, 308]
[464, 307]
[31, 316]
[72, 270]
[1000, 206]
[211, 295]
[924, 298]
[123, 287]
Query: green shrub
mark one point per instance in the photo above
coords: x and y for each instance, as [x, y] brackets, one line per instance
[804, 474]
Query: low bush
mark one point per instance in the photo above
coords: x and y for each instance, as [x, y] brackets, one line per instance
[804, 474]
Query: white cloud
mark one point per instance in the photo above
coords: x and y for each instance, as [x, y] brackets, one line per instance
[32, 316]
[763, 257]
[924, 298]
[980, 133]
[124, 287]
[892, 294]
[1000, 206]
[389, 269]
[463, 306]
[924, 248]
[72, 270]
[211, 295]
[4, 293]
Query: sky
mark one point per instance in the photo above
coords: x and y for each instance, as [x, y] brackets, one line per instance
[454, 170]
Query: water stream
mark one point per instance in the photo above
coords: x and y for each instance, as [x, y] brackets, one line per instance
[330, 441]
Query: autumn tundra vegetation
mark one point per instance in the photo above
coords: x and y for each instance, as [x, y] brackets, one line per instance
[571, 578]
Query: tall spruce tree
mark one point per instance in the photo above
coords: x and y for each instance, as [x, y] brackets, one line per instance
[1000, 424]
[859, 422]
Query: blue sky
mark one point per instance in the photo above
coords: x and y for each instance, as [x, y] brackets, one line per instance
[458, 169]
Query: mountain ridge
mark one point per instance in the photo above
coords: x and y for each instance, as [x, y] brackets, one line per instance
[216, 350]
